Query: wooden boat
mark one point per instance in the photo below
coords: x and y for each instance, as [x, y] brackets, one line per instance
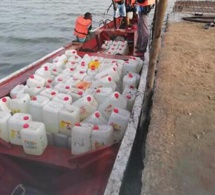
[56, 171]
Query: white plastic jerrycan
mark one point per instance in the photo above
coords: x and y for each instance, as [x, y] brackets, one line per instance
[104, 82]
[130, 95]
[17, 90]
[86, 58]
[51, 116]
[130, 66]
[82, 66]
[15, 124]
[71, 64]
[50, 81]
[139, 61]
[68, 116]
[102, 135]
[74, 58]
[63, 88]
[131, 79]
[73, 81]
[61, 78]
[69, 71]
[63, 98]
[4, 104]
[35, 81]
[80, 74]
[33, 91]
[4, 132]
[87, 105]
[44, 72]
[36, 107]
[34, 139]
[112, 71]
[119, 120]
[20, 103]
[56, 71]
[76, 93]
[48, 66]
[96, 118]
[112, 101]
[61, 61]
[49, 93]
[101, 93]
[81, 138]
[70, 53]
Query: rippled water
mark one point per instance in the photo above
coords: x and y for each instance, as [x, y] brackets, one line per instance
[31, 29]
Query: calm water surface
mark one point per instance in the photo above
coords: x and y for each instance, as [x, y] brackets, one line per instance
[31, 29]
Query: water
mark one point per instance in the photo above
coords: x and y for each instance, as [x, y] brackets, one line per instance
[31, 29]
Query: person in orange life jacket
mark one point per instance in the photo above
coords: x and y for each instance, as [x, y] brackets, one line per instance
[119, 10]
[144, 7]
[83, 25]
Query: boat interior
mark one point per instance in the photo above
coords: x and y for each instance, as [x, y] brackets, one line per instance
[56, 171]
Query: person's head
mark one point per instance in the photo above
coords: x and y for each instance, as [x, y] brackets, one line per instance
[88, 15]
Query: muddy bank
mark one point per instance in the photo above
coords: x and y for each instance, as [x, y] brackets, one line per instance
[181, 139]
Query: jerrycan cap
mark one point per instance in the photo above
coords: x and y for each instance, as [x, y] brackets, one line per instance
[89, 99]
[116, 95]
[26, 118]
[66, 98]
[116, 110]
[4, 99]
[77, 124]
[97, 115]
[34, 98]
[128, 97]
[80, 93]
[25, 126]
[96, 127]
[130, 75]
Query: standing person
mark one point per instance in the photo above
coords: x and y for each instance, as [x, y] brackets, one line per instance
[130, 9]
[144, 7]
[119, 10]
[83, 25]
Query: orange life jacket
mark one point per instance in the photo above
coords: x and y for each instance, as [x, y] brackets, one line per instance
[146, 2]
[81, 27]
[130, 2]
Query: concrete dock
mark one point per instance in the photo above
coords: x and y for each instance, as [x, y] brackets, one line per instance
[179, 152]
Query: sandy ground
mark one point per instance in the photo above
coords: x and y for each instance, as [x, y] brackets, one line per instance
[180, 148]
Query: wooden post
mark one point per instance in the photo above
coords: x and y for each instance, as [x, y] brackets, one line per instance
[156, 42]
[154, 52]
